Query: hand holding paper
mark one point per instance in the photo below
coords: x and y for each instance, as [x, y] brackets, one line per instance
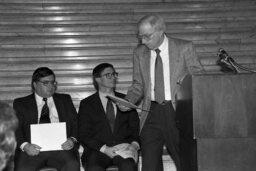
[110, 151]
[48, 136]
[67, 145]
[122, 102]
[127, 151]
[32, 149]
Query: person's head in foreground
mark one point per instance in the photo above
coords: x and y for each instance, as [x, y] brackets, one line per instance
[8, 124]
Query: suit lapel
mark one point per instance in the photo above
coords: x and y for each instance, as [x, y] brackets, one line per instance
[100, 109]
[118, 116]
[98, 105]
[145, 65]
[34, 113]
[172, 57]
[59, 107]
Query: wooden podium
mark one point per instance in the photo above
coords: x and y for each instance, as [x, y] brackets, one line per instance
[216, 115]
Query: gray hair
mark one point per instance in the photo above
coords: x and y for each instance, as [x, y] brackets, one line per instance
[155, 21]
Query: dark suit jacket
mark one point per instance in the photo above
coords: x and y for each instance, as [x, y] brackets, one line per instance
[27, 113]
[94, 129]
[182, 59]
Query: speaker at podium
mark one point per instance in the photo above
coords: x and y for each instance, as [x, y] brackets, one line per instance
[216, 116]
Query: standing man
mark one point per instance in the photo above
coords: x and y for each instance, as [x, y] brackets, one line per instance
[104, 131]
[160, 64]
[45, 106]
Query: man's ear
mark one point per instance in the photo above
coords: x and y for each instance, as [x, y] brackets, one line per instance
[97, 79]
[34, 84]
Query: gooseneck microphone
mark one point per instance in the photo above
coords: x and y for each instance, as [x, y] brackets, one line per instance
[227, 61]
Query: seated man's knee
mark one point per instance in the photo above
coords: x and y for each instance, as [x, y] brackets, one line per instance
[127, 165]
[73, 165]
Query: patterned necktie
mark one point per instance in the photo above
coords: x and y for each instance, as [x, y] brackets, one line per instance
[159, 78]
[110, 114]
[45, 118]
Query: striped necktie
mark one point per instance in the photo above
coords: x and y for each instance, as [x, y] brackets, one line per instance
[110, 112]
[45, 118]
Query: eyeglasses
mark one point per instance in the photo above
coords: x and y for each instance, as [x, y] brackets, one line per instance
[146, 37]
[49, 83]
[110, 75]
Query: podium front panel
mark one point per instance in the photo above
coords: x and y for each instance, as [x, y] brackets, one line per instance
[224, 106]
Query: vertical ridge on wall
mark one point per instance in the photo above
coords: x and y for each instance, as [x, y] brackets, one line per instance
[71, 38]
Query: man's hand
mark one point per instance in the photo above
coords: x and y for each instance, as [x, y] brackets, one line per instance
[32, 149]
[67, 145]
[131, 148]
[110, 151]
[126, 150]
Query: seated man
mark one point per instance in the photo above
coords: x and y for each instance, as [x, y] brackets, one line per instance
[105, 132]
[8, 124]
[45, 106]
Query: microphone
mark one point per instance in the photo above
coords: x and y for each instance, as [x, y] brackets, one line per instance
[224, 56]
[226, 61]
[221, 50]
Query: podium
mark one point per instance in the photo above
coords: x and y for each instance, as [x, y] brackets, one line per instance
[216, 116]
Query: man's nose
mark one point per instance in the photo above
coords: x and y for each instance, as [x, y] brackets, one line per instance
[143, 41]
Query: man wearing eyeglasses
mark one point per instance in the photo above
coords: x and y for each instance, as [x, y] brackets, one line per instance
[160, 63]
[40, 107]
[109, 136]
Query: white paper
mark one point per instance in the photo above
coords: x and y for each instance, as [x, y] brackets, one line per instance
[48, 136]
[123, 152]
[122, 102]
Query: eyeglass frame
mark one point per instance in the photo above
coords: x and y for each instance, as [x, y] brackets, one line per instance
[47, 83]
[110, 75]
[146, 37]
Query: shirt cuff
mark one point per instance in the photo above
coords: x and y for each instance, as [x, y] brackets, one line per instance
[23, 145]
[135, 145]
[103, 148]
[74, 140]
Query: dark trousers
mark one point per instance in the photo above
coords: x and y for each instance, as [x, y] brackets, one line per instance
[97, 161]
[62, 160]
[159, 130]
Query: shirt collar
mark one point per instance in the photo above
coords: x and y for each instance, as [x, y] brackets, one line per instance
[103, 95]
[164, 44]
[39, 99]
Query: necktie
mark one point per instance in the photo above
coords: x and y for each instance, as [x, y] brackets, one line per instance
[110, 114]
[45, 118]
[159, 78]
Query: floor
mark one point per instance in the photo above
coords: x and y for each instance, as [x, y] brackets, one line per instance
[168, 164]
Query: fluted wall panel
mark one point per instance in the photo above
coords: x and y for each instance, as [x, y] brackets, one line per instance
[72, 37]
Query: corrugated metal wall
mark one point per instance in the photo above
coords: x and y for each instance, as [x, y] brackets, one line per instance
[71, 37]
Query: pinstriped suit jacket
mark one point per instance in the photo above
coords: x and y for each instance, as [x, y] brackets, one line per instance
[183, 61]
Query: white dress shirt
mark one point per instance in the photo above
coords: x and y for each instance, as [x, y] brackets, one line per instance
[54, 117]
[53, 114]
[164, 48]
[104, 101]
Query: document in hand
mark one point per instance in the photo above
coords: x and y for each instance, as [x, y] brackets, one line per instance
[123, 152]
[122, 102]
[48, 136]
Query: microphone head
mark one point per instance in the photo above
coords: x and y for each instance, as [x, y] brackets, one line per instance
[222, 53]
[221, 50]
